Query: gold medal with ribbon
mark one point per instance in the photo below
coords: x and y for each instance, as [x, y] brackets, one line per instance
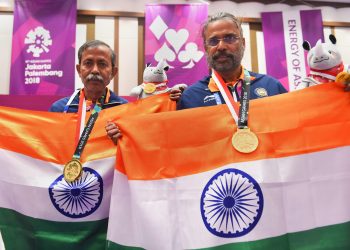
[149, 88]
[72, 170]
[244, 140]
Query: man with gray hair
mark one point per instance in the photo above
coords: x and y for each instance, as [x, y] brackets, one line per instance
[96, 69]
[224, 44]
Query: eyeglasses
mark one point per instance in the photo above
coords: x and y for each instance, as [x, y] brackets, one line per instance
[229, 39]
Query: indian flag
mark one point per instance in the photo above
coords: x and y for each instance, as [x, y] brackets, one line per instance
[180, 184]
[38, 208]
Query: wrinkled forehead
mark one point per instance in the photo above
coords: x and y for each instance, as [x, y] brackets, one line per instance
[221, 28]
[100, 49]
[101, 52]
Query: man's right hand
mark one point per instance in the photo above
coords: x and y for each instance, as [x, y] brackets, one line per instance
[344, 78]
[113, 131]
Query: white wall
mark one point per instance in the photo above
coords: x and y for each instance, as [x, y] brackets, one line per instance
[128, 54]
[128, 49]
[261, 52]
[80, 39]
[104, 31]
[343, 42]
[249, 9]
[247, 58]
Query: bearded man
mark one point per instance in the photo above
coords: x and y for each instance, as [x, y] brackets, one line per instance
[224, 45]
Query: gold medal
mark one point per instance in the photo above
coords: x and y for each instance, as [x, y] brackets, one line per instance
[149, 88]
[245, 141]
[72, 170]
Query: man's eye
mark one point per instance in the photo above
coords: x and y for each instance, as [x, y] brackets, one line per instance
[213, 41]
[229, 39]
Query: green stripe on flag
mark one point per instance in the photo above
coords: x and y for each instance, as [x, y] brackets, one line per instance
[23, 232]
[111, 246]
[325, 238]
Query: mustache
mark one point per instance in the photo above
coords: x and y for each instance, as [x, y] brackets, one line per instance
[94, 77]
[223, 53]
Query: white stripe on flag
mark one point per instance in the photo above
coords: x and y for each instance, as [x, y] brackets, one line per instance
[293, 40]
[2, 245]
[27, 177]
[300, 193]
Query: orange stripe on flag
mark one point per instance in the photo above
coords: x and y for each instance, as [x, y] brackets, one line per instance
[51, 136]
[173, 144]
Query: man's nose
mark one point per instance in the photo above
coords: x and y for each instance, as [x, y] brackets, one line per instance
[95, 68]
[222, 45]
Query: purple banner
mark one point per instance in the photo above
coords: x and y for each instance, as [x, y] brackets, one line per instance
[173, 34]
[284, 33]
[43, 47]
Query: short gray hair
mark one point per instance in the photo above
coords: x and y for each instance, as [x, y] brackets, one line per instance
[221, 16]
[94, 44]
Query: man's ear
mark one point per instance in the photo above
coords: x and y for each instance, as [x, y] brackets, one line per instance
[114, 72]
[205, 45]
[77, 67]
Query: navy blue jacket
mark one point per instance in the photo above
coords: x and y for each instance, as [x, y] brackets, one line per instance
[199, 95]
[59, 105]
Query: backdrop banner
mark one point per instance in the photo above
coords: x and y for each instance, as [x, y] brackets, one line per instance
[284, 33]
[43, 47]
[173, 34]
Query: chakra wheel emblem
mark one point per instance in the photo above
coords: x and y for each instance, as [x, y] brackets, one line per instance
[79, 198]
[231, 203]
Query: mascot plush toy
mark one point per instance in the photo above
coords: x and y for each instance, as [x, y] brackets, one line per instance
[155, 82]
[325, 63]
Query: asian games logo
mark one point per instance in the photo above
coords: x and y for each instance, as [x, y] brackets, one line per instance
[174, 42]
[39, 41]
[231, 203]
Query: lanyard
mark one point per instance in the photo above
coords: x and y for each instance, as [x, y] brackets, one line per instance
[231, 104]
[243, 140]
[239, 114]
[84, 135]
[244, 107]
[73, 169]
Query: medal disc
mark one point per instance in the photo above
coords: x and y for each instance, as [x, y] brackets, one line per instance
[245, 141]
[72, 170]
[149, 88]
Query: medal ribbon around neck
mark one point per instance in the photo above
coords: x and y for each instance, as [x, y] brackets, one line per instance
[73, 169]
[243, 139]
[245, 95]
[225, 92]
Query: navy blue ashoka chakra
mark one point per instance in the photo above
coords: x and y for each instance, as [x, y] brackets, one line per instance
[231, 203]
[80, 198]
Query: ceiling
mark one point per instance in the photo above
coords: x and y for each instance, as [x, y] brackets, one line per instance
[311, 3]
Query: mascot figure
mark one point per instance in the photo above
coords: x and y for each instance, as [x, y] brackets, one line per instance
[325, 64]
[155, 82]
